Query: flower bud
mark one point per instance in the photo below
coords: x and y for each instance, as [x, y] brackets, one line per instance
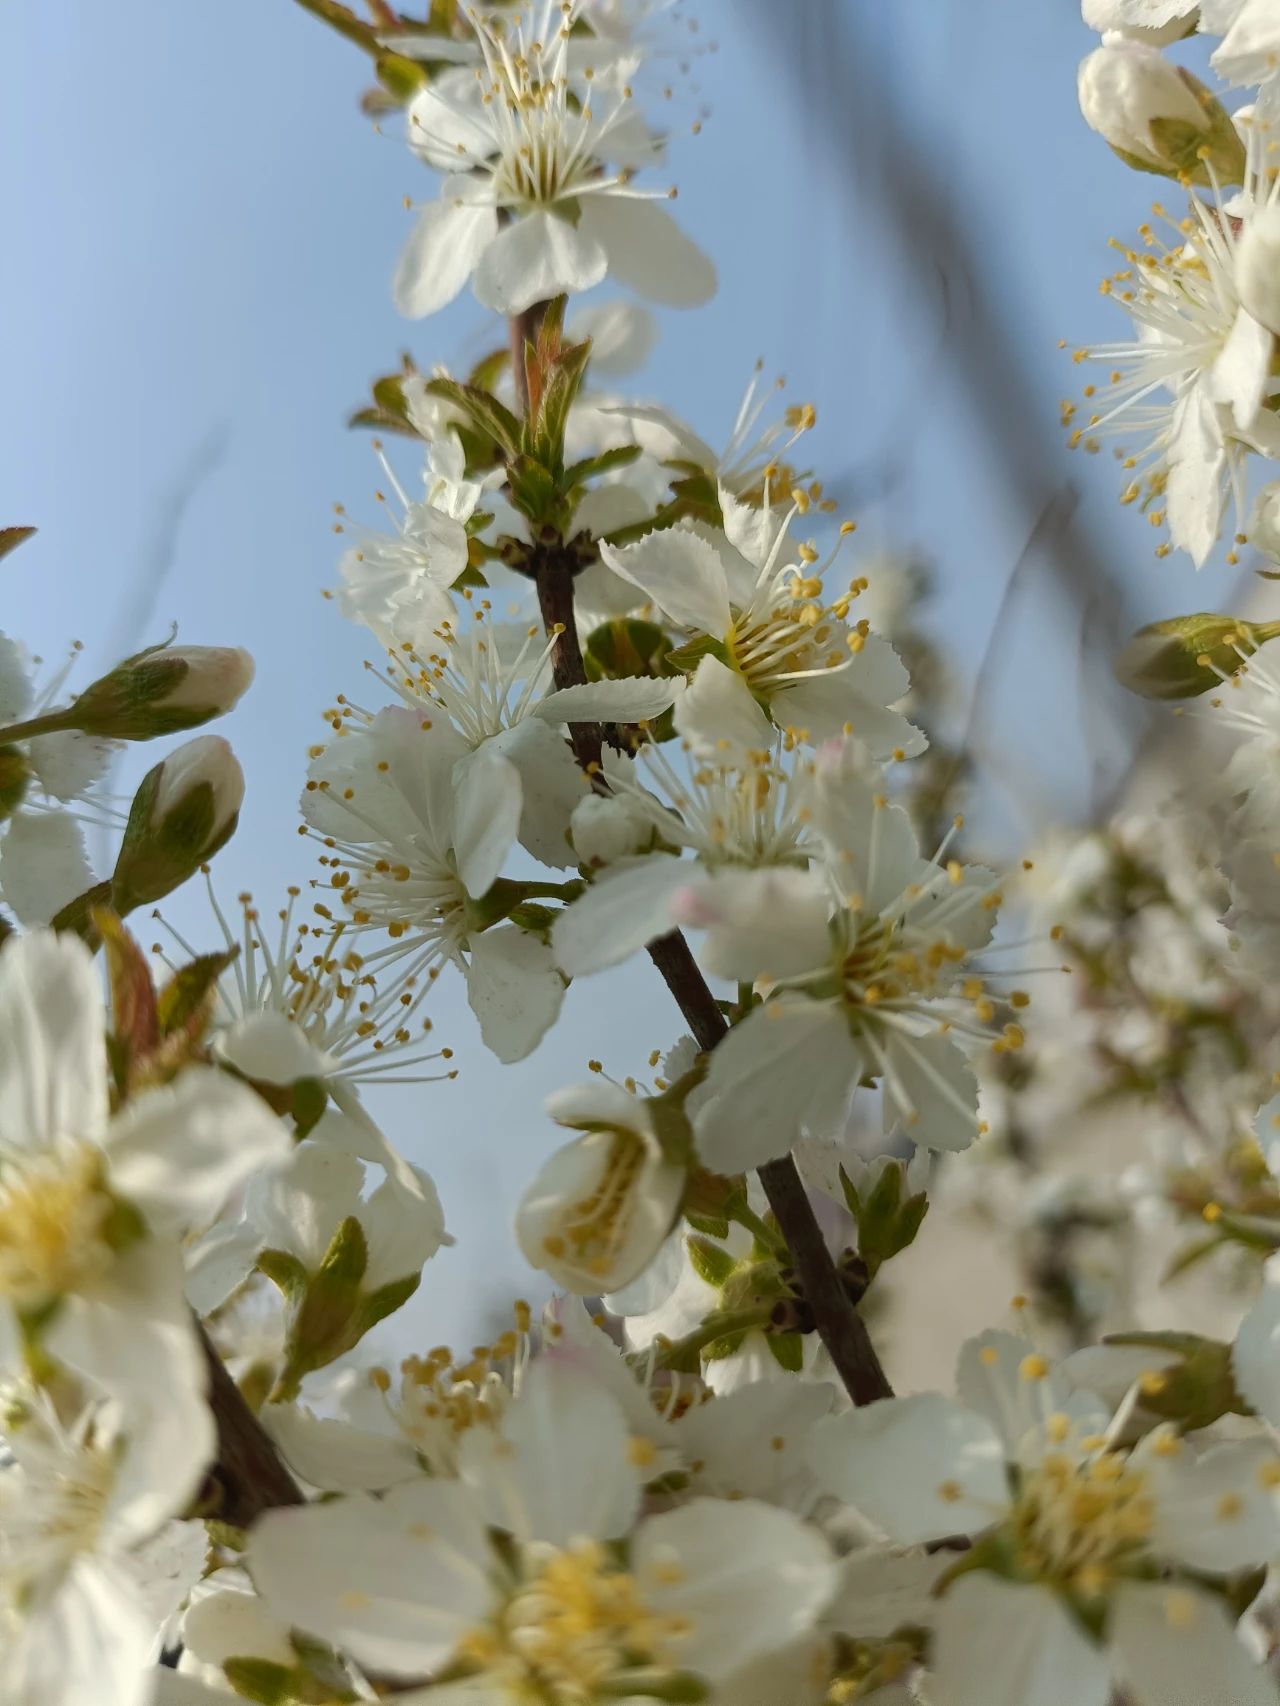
[1157, 22]
[601, 1208]
[1156, 116]
[1264, 523]
[184, 811]
[1258, 267]
[1187, 655]
[162, 691]
[606, 827]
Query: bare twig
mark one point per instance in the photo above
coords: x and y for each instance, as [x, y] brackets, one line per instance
[248, 1476]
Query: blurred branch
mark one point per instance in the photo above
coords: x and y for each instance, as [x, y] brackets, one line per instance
[825, 49]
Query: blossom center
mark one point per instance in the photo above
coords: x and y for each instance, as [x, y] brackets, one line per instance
[1075, 1521]
[54, 1215]
[577, 1621]
[593, 1229]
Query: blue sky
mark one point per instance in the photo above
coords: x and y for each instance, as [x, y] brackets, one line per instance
[200, 229]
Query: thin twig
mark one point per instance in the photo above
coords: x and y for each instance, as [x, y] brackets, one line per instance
[841, 1328]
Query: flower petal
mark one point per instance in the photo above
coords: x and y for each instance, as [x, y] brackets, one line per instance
[535, 258]
[43, 864]
[53, 1063]
[624, 909]
[647, 250]
[1001, 1643]
[514, 990]
[445, 244]
[486, 816]
[1176, 1645]
[681, 572]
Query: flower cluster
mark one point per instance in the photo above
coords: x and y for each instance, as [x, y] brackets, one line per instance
[632, 696]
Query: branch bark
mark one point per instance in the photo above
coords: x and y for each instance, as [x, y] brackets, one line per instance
[249, 1476]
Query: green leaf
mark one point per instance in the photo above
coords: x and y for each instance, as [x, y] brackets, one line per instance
[627, 646]
[710, 1261]
[685, 659]
[310, 1098]
[591, 467]
[489, 369]
[285, 1271]
[185, 1001]
[15, 773]
[486, 413]
[263, 1680]
[787, 1350]
[377, 1305]
[12, 537]
[559, 395]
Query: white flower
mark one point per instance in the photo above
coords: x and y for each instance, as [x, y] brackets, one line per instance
[91, 1203]
[1249, 51]
[1033, 1475]
[1154, 21]
[397, 585]
[760, 599]
[412, 850]
[305, 1006]
[742, 813]
[492, 681]
[577, 1596]
[601, 1207]
[1192, 388]
[555, 153]
[82, 1510]
[869, 992]
[299, 1208]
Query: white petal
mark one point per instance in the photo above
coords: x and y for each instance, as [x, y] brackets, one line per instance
[770, 924]
[631, 699]
[336, 1457]
[486, 816]
[395, 1582]
[53, 1064]
[179, 1151]
[43, 864]
[298, 1207]
[551, 786]
[86, 1644]
[271, 1049]
[558, 1468]
[69, 764]
[514, 990]
[1239, 375]
[1000, 1643]
[920, 1468]
[786, 1067]
[718, 714]
[872, 843]
[15, 680]
[882, 1590]
[1194, 491]
[682, 573]
[752, 1578]
[1175, 1646]
[648, 251]
[753, 1441]
[445, 244]
[1255, 1359]
[622, 336]
[231, 1624]
[536, 257]
[404, 1230]
[989, 1380]
[1216, 1513]
[932, 1089]
[625, 908]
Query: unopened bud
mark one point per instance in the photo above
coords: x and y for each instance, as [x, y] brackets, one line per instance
[1157, 22]
[1156, 116]
[162, 691]
[184, 811]
[1258, 267]
[604, 828]
[1187, 655]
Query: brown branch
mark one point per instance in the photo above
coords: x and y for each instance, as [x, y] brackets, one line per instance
[248, 1477]
[841, 1328]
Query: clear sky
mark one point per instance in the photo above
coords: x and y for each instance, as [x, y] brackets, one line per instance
[199, 233]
